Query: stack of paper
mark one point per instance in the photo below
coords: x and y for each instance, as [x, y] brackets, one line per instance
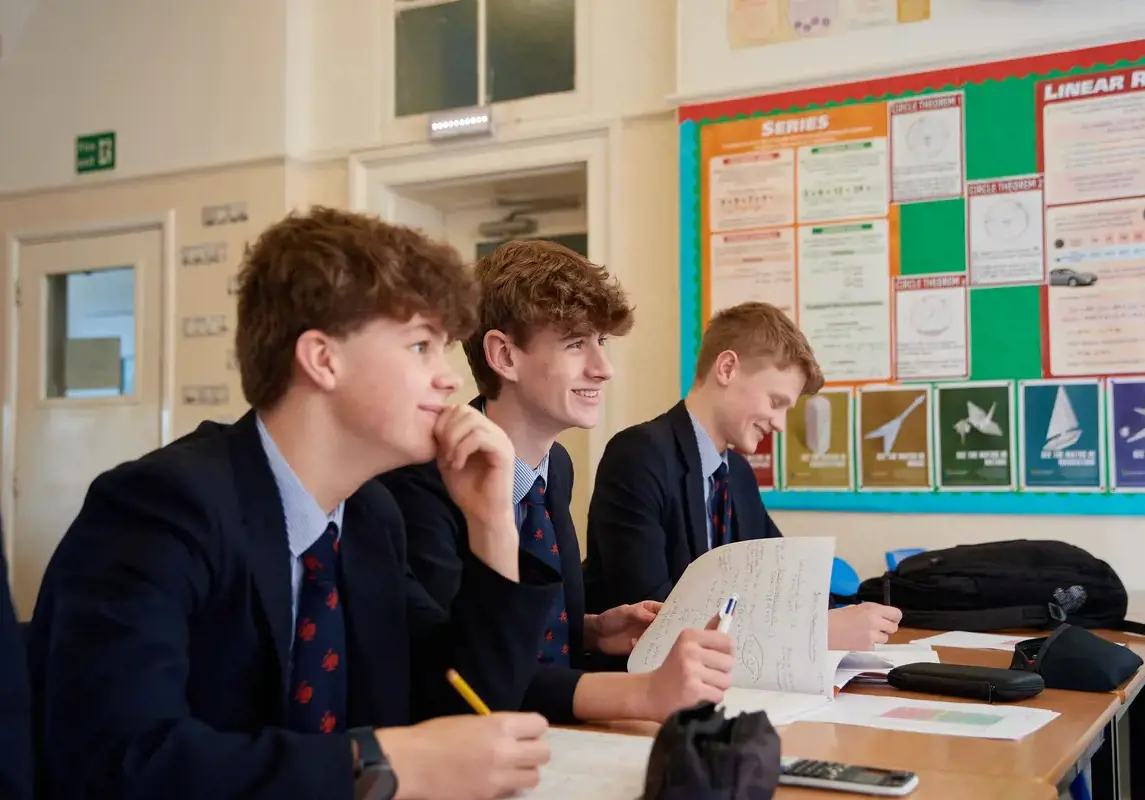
[973, 641]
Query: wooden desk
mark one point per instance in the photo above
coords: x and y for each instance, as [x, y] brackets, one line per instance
[943, 786]
[836, 742]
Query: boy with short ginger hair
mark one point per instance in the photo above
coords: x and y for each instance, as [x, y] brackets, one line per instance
[670, 489]
[538, 356]
[232, 615]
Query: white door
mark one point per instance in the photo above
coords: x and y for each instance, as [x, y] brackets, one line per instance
[88, 384]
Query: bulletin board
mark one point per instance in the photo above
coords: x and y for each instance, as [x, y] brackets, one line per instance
[965, 251]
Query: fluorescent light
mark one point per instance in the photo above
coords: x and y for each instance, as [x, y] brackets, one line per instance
[461, 122]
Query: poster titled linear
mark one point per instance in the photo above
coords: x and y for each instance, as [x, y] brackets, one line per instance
[965, 251]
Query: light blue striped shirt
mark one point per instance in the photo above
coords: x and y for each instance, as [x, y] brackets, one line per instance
[524, 477]
[710, 460]
[305, 519]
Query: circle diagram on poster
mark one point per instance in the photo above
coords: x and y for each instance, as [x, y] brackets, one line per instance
[931, 316]
[927, 137]
[1006, 219]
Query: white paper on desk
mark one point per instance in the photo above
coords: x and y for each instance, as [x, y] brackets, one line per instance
[972, 641]
[782, 708]
[780, 622]
[974, 720]
[603, 766]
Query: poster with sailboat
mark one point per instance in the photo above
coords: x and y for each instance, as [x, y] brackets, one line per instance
[1063, 438]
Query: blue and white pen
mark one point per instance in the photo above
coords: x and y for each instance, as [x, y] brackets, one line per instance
[726, 610]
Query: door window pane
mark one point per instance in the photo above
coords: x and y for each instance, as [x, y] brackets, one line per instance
[530, 48]
[577, 242]
[90, 333]
[435, 57]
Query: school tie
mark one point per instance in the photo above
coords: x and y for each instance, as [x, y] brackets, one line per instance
[318, 678]
[539, 537]
[720, 507]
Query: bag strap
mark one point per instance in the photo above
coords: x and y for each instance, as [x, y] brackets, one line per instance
[1128, 626]
[987, 619]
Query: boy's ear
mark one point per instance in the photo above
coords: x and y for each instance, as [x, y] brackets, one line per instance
[725, 367]
[499, 355]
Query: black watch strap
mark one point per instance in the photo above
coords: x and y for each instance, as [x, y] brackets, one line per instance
[374, 780]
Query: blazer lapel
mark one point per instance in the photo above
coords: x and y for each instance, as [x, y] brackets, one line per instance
[366, 586]
[693, 478]
[742, 498]
[270, 549]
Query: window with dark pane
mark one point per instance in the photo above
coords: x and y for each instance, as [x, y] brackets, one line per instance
[530, 48]
[435, 57]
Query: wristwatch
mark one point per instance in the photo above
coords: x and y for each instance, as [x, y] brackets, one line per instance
[373, 777]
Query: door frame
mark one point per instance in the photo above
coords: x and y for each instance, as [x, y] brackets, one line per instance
[378, 176]
[17, 241]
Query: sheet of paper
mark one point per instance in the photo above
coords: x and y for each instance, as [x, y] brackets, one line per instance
[603, 766]
[782, 708]
[880, 662]
[972, 641]
[974, 720]
[780, 621]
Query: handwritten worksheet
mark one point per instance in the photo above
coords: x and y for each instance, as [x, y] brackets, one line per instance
[782, 590]
[779, 626]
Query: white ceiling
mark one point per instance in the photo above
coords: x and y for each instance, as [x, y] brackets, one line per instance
[481, 192]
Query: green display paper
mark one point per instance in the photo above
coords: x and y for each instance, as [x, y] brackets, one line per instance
[932, 237]
[1006, 333]
[1000, 120]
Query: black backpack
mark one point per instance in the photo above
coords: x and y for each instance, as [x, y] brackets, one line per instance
[1002, 585]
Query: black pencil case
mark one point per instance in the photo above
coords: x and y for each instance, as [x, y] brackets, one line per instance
[958, 680]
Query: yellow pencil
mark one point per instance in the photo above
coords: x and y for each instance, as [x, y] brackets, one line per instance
[465, 691]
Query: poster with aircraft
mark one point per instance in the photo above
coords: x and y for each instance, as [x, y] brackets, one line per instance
[974, 436]
[894, 438]
[1127, 434]
[1063, 446]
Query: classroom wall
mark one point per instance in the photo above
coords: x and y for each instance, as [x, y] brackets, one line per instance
[959, 31]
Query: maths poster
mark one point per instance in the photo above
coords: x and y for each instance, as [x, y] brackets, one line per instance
[818, 442]
[762, 462]
[894, 437]
[1062, 437]
[1127, 434]
[974, 434]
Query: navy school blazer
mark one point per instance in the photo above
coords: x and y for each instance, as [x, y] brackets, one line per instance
[160, 643]
[647, 519]
[15, 704]
[439, 546]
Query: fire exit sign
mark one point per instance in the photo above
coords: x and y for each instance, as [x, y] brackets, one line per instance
[95, 152]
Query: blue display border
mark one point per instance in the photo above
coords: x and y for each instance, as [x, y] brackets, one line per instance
[934, 502]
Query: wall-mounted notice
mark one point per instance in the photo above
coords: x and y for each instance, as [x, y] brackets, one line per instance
[1062, 436]
[818, 442]
[975, 436]
[894, 437]
[976, 233]
[754, 23]
[926, 148]
[95, 152]
[762, 462]
[932, 327]
[1127, 434]
[1005, 231]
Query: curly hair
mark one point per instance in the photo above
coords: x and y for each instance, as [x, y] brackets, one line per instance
[759, 332]
[530, 284]
[337, 271]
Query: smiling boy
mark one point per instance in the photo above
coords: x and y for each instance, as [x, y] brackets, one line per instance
[670, 489]
[539, 360]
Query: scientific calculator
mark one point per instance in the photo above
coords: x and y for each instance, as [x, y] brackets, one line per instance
[846, 777]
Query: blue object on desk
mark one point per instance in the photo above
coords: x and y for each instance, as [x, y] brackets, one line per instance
[844, 579]
[895, 557]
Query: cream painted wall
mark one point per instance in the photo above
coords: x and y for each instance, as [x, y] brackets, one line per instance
[184, 85]
[200, 290]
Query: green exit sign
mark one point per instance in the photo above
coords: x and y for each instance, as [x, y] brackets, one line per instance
[95, 152]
